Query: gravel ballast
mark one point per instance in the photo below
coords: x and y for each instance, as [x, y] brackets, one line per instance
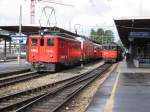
[48, 79]
[83, 99]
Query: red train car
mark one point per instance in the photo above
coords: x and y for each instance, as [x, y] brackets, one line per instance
[97, 51]
[111, 52]
[87, 48]
[48, 52]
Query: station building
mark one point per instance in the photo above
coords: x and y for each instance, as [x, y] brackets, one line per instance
[135, 36]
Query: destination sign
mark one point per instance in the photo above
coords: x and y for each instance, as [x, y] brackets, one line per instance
[17, 38]
[139, 35]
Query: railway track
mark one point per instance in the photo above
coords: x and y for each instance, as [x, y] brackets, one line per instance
[6, 81]
[16, 72]
[53, 96]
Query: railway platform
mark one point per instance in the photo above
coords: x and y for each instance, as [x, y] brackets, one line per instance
[10, 66]
[126, 90]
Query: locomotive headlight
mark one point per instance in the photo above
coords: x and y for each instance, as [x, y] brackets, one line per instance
[42, 33]
[51, 56]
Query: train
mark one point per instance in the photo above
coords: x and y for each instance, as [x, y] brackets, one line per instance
[112, 52]
[51, 51]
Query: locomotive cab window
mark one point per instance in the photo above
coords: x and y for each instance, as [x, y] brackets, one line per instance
[106, 47]
[42, 42]
[113, 48]
[50, 42]
[34, 42]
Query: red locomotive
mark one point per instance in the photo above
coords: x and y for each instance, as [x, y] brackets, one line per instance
[111, 52]
[48, 52]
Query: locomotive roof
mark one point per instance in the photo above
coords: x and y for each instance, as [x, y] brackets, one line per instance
[62, 35]
[82, 39]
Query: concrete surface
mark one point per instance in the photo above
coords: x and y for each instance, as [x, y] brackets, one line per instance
[13, 66]
[132, 93]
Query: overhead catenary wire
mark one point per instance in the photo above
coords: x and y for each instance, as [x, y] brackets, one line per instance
[48, 16]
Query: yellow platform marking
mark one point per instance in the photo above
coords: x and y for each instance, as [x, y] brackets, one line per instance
[110, 101]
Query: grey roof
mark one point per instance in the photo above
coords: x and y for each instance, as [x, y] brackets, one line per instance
[127, 25]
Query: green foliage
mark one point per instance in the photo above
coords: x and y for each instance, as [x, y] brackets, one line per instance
[100, 31]
[92, 34]
[109, 35]
[101, 36]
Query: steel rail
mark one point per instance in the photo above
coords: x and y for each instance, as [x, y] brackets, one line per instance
[68, 99]
[72, 93]
[18, 78]
[31, 91]
[11, 73]
[44, 86]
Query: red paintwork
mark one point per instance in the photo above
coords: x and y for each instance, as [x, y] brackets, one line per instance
[110, 54]
[87, 49]
[97, 51]
[64, 50]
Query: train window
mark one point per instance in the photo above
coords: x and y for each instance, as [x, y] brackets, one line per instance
[113, 48]
[106, 47]
[34, 42]
[50, 42]
[42, 42]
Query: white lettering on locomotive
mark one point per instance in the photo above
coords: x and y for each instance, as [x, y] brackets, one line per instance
[50, 51]
[34, 50]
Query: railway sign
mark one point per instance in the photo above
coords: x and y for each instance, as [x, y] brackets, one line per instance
[139, 35]
[18, 38]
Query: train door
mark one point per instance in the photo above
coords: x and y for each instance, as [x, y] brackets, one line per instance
[33, 49]
[69, 51]
[49, 47]
[62, 50]
[42, 53]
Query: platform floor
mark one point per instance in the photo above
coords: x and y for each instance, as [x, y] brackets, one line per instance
[13, 66]
[126, 90]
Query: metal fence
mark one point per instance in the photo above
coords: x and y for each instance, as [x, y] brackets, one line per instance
[11, 51]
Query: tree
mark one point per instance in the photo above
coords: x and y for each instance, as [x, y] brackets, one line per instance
[92, 34]
[101, 36]
[100, 31]
[109, 36]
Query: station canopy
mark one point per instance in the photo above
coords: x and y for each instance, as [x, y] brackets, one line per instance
[4, 35]
[30, 29]
[129, 27]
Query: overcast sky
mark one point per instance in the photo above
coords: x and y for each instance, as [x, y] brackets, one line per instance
[87, 13]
